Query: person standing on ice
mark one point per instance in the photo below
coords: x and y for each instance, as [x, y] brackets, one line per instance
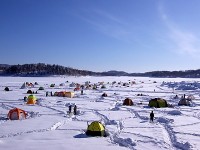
[75, 109]
[70, 109]
[151, 116]
[82, 87]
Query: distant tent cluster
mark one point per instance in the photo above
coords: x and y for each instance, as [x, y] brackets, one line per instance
[27, 84]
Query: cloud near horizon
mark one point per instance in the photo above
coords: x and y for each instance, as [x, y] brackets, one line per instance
[186, 42]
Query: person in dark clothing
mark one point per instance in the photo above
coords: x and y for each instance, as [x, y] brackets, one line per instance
[151, 116]
[75, 109]
[46, 94]
[51, 93]
[70, 108]
[25, 98]
[82, 87]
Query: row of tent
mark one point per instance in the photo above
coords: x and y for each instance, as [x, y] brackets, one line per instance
[159, 102]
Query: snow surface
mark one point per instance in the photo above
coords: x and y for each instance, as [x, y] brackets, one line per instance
[49, 126]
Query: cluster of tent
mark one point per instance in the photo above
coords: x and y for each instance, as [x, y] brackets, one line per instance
[27, 84]
[96, 128]
[160, 102]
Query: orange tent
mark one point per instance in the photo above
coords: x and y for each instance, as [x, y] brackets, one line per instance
[17, 114]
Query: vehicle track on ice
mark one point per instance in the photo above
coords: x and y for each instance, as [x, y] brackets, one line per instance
[6, 106]
[54, 109]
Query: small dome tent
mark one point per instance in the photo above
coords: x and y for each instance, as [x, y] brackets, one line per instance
[31, 99]
[41, 88]
[96, 128]
[158, 102]
[104, 95]
[7, 89]
[16, 114]
[128, 102]
[52, 85]
[103, 87]
[29, 92]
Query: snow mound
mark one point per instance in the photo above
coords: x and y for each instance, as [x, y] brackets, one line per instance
[182, 85]
[126, 142]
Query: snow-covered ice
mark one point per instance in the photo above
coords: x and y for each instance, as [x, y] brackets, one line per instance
[49, 126]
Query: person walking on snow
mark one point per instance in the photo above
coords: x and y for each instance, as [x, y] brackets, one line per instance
[151, 116]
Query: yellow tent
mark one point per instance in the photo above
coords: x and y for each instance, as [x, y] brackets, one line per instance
[31, 99]
[96, 129]
[69, 94]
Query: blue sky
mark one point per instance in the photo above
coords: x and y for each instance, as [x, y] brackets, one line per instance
[102, 35]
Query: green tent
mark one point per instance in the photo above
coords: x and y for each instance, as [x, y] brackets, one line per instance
[158, 102]
[52, 85]
[41, 88]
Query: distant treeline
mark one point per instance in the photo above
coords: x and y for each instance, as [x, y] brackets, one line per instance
[175, 74]
[42, 69]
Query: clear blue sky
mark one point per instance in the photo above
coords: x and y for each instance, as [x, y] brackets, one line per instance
[102, 35]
